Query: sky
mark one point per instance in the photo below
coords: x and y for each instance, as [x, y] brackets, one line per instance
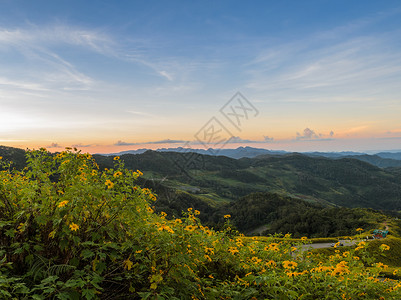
[108, 76]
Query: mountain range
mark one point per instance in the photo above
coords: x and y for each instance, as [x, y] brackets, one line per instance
[380, 159]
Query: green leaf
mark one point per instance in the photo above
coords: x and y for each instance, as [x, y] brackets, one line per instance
[88, 293]
[37, 248]
[145, 295]
[87, 254]
[63, 244]
[70, 295]
[10, 233]
[100, 267]
[41, 220]
[19, 251]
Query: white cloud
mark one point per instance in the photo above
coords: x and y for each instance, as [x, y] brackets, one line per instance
[310, 135]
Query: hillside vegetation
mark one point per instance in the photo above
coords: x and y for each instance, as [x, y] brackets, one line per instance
[71, 230]
[347, 182]
[287, 193]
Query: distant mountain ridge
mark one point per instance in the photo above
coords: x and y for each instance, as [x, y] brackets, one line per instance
[381, 159]
[237, 153]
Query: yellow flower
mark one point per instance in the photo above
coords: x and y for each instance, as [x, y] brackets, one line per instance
[166, 228]
[21, 227]
[381, 265]
[227, 216]
[271, 264]
[178, 221]
[197, 212]
[287, 236]
[340, 269]
[289, 264]
[109, 184]
[291, 274]
[128, 264]
[190, 228]
[272, 247]
[233, 250]
[304, 238]
[74, 227]
[209, 250]
[1, 157]
[116, 158]
[117, 174]
[256, 260]
[359, 229]
[384, 247]
[62, 203]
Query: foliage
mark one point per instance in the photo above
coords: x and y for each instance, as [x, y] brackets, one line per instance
[71, 231]
[289, 215]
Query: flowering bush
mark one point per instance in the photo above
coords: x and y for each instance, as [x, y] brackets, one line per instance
[69, 231]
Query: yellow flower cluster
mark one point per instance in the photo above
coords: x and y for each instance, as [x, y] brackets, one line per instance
[272, 247]
[166, 228]
[340, 268]
[233, 250]
[289, 264]
[62, 203]
[360, 246]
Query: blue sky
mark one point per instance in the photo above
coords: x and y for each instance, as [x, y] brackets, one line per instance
[117, 75]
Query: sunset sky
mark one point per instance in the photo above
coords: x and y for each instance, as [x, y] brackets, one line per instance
[108, 76]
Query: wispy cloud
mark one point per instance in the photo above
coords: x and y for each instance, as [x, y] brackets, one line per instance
[23, 85]
[80, 145]
[346, 63]
[43, 65]
[38, 36]
[167, 141]
[238, 140]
